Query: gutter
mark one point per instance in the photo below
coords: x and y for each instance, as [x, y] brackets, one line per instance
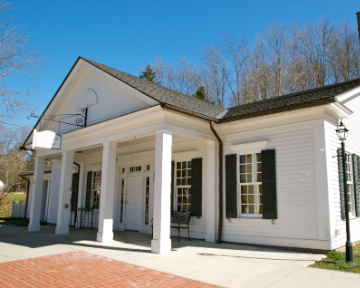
[221, 197]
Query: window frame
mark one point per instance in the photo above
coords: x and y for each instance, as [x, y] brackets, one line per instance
[182, 186]
[94, 190]
[239, 184]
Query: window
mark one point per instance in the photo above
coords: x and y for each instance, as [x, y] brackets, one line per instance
[182, 195]
[96, 189]
[147, 199]
[350, 184]
[122, 190]
[250, 181]
[250, 184]
[133, 169]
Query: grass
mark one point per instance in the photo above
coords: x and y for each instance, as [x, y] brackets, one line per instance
[14, 221]
[6, 203]
[17, 222]
[336, 260]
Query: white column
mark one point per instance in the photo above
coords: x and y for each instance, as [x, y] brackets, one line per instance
[161, 244]
[108, 173]
[211, 188]
[63, 215]
[36, 194]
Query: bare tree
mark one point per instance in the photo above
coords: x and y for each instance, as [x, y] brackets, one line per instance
[284, 59]
[15, 58]
[12, 160]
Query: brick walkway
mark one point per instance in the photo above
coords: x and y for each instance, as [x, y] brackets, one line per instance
[81, 269]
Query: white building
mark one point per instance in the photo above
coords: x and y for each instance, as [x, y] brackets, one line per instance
[142, 151]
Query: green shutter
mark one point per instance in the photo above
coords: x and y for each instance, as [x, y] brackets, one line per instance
[172, 187]
[74, 190]
[231, 186]
[356, 164]
[341, 182]
[269, 184]
[88, 190]
[196, 187]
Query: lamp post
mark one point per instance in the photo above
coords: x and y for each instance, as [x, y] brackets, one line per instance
[342, 132]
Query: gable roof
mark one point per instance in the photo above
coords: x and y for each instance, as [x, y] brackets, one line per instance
[162, 94]
[313, 97]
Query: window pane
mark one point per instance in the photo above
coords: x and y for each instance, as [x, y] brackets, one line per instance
[251, 189]
[244, 209]
[242, 159]
[242, 179]
[251, 209]
[184, 164]
[243, 189]
[244, 199]
[259, 177]
[242, 168]
[258, 157]
[248, 158]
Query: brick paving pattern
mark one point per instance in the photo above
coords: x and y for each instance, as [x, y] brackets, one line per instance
[81, 269]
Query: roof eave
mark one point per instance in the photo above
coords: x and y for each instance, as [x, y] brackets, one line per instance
[279, 109]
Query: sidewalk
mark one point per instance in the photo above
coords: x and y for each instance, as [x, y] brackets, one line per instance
[225, 264]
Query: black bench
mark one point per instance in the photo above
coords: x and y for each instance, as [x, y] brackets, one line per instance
[181, 220]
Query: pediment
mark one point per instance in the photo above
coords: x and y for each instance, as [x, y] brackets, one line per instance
[92, 93]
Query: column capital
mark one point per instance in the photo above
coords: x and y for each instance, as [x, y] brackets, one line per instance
[163, 131]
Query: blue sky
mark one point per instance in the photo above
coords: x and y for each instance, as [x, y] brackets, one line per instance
[127, 35]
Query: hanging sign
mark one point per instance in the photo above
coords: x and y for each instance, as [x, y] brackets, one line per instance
[46, 139]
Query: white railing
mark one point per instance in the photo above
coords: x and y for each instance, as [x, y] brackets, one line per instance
[18, 210]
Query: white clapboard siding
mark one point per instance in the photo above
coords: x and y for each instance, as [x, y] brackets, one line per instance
[297, 223]
[352, 145]
[54, 194]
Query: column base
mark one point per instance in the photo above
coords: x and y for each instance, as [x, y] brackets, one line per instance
[62, 230]
[32, 227]
[210, 238]
[105, 237]
[161, 246]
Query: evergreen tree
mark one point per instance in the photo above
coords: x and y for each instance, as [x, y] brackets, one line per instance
[149, 74]
[201, 94]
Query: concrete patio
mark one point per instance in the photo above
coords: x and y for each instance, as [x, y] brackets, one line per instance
[225, 264]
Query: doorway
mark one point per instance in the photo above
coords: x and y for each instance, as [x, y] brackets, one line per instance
[133, 203]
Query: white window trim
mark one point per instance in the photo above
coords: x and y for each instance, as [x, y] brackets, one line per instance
[244, 149]
[249, 147]
[247, 150]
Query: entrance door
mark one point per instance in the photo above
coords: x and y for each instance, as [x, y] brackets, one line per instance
[133, 203]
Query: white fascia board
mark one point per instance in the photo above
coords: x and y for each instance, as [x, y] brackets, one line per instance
[348, 96]
[123, 85]
[338, 109]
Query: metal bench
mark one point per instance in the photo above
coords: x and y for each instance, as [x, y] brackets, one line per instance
[181, 220]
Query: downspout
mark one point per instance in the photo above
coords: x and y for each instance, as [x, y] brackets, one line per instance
[77, 192]
[220, 182]
[27, 194]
